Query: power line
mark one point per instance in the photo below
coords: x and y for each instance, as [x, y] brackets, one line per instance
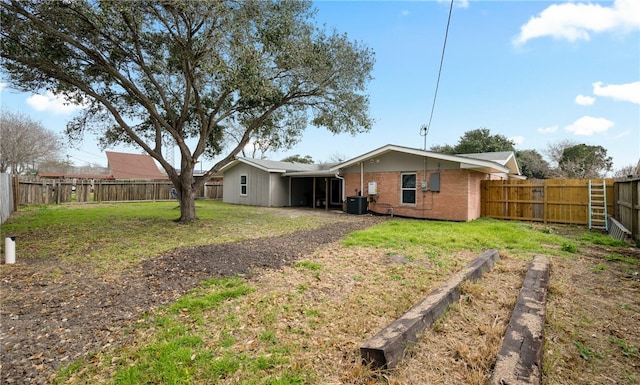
[435, 94]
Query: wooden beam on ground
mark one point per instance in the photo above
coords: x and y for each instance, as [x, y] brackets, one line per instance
[387, 347]
[520, 359]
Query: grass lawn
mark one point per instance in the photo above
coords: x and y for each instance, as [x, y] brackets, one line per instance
[115, 236]
[304, 323]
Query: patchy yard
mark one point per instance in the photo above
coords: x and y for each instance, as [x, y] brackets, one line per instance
[304, 302]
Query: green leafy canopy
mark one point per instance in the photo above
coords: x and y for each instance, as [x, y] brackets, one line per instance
[205, 76]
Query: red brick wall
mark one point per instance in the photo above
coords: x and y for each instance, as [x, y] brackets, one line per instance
[458, 199]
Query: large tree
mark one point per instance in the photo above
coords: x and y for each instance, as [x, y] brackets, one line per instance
[25, 143]
[569, 159]
[477, 141]
[307, 159]
[584, 161]
[532, 164]
[184, 73]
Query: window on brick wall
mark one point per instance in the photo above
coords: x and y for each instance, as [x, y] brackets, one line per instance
[243, 185]
[408, 188]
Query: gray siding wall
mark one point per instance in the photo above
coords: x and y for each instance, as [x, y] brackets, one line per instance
[6, 197]
[279, 190]
[263, 188]
[394, 161]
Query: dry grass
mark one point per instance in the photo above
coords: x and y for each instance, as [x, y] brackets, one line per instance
[592, 331]
[310, 319]
[323, 315]
[462, 346]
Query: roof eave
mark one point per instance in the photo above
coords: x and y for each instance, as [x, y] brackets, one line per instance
[493, 168]
[465, 162]
[318, 173]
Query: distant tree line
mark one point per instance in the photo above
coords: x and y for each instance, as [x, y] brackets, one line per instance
[567, 159]
[25, 144]
[29, 148]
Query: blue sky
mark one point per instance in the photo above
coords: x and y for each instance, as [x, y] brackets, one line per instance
[537, 72]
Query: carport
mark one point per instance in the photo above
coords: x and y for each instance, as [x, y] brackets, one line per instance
[316, 189]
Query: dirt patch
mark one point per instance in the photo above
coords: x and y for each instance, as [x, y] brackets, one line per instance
[54, 314]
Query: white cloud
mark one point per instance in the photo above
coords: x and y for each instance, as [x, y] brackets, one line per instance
[461, 3]
[404, 13]
[456, 3]
[577, 21]
[3, 86]
[629, 92]
[585, 100]
[548, 130]
[588, 125]
[57, 104]
[517, 139]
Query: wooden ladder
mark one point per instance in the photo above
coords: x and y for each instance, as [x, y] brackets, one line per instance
[598, 206]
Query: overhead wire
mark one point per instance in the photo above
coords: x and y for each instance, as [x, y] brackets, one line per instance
[435, 95]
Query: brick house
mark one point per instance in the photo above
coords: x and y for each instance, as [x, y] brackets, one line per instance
[409, 182]
[391, 180]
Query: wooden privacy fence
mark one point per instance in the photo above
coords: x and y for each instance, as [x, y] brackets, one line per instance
[627, 204]
[549, 201]
[58, 191]
[114, 191]
[43, 191]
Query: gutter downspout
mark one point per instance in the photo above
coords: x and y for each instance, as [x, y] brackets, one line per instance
[361, 177]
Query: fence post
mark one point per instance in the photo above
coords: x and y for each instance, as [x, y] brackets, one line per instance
[57, 191]
[16, 192]
[545, 205]
[635, 209]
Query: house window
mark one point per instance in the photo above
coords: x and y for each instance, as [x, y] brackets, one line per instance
[409, 188]
[243, 185]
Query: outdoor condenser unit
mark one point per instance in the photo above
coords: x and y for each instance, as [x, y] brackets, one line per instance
[357, 205]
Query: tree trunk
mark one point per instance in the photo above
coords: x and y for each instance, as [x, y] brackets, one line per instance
[187, 196]
[187, 206]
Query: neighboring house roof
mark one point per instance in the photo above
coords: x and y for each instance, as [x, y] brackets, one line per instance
[133, 166]
[487, 162]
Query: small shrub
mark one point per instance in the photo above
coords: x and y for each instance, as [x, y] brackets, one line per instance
[569, 247]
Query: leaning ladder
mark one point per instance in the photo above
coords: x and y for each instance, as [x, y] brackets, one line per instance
[598, 206]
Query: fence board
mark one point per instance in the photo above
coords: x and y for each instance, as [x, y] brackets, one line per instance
[57, 191]
[549, 201]
[627, 204]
